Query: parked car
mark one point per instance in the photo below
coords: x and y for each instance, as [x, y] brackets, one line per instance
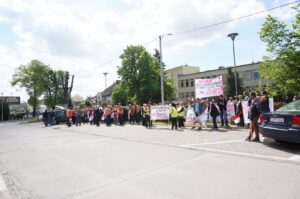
[282, 124]
[60, 116]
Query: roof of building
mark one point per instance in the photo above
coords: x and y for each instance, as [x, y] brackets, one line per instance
[221, 68]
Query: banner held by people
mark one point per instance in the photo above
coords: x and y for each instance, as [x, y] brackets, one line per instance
[160, 112]
[209, 87]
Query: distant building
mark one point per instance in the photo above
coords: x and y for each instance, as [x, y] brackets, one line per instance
[106, 95]
[248, 72]
[180, 70]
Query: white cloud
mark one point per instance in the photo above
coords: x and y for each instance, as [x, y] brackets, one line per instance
[80, 36]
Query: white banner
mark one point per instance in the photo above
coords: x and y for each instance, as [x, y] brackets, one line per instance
[160, 112]
[209, 87]
[190, 115]
[230, 109]
[245, 112]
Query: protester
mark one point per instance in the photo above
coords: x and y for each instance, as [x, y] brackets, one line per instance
[131, 113]
[181, 112]
[198, 110]
[214, 113]
[120, 112]
[286, 99]
[107, 115]
[239, 110]
[264, 102]
[78, 117]
[146, 115]
[174, 116]
[69, 116]
[254, 113]
[223, 108]
[45, 117]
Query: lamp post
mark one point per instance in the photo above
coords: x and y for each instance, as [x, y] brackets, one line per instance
[161, 67]
[232, 36]
[105, 73]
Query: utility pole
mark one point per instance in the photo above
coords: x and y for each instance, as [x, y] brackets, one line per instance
[161, 68]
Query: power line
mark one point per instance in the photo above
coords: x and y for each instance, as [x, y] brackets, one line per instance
[212, 25]
[235, 19]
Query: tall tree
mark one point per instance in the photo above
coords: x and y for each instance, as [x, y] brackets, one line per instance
[31, 76]
[119, 94]
[282, 66]
[230, 84]
[140, 74]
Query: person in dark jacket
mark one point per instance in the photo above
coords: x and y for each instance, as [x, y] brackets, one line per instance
[223, 108]
[214, 113]
[45, 117]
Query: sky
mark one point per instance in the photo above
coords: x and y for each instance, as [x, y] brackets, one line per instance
[87, 37]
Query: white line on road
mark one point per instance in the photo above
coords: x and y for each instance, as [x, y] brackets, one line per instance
[211, 143]
[247, 155]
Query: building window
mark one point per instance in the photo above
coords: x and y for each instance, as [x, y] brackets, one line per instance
[186, 83]
[182, 84]
[248, 76]
[187, 95]
[256, 75]
[192, 83]
[241, 75]
[181, 95]
[193, 94]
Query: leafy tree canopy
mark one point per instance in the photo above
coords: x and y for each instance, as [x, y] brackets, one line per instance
[282, 66]
[140, 76]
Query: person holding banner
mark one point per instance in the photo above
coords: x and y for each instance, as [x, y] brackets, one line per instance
[174, 116]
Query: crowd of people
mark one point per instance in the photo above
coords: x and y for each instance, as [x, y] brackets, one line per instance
[258, 103]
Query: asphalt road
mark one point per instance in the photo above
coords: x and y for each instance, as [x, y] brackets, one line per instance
[132, 162]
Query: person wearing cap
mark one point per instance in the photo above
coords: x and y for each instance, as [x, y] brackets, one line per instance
[180, 111]
[174, 116]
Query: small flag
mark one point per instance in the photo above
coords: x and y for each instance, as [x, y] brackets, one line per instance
[236, 119]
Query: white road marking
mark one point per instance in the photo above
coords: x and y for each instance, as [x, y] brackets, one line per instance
[3, 186]
[295, 157]
[211, 143]
[247, 154]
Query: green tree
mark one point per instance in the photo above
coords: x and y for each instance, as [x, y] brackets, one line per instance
[230, 84]
[282, 66]
[140, 75]
[31, 76]
[119, 94]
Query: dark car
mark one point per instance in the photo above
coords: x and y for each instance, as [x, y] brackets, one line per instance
[60, 116]
[282, 124]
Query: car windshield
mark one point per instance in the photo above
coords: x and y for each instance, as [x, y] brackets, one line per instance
[293, 106]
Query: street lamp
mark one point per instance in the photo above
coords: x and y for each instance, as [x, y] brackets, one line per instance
[105, 73]
[161, 67]
[232, 36]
